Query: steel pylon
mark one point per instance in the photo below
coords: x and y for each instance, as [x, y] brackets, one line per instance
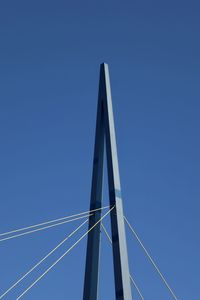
[105, 135]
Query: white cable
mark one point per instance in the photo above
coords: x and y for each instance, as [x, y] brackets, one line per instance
[45, 257]
[131, 278]
[55, 220]
[151, 259]
[137, 288]
[106, 232]
[47, 270]
[46, 227]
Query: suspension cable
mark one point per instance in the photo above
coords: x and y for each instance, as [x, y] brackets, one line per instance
[151, 259]
[45, 257]
[53, 221]
[42, 228]
[47, 270]
[131, 278]
[136, 287]
[106, 233]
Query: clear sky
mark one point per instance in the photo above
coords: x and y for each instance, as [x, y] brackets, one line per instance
[50, 52]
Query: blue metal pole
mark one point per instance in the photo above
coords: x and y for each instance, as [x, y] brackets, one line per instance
[93, 243]
[120, 254]
[105, 130]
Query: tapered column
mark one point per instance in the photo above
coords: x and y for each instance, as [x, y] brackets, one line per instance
[105, 131]
[93, 243]
[119, 245]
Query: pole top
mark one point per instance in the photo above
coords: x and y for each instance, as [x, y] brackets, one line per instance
[104, 64]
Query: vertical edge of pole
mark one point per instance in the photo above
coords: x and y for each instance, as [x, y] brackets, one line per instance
[93, 243]
[120, 253]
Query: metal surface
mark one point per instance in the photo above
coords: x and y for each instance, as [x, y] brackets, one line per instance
[105, 131]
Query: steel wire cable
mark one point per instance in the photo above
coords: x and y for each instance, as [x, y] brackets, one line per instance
[53, 221]
[151, 259]
[45, 257]
[42, 228]
[131, 278]
[63, 255]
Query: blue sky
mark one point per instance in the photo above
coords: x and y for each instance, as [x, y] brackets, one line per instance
[50, 52]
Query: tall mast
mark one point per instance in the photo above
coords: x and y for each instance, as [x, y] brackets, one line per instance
[105, 133]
